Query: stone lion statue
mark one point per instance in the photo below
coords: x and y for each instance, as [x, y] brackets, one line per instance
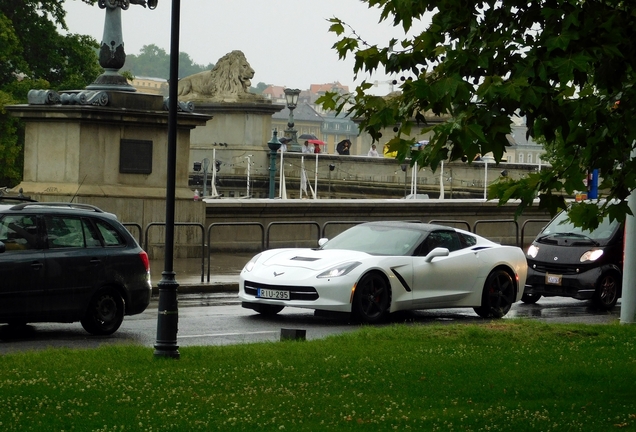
[228, 81]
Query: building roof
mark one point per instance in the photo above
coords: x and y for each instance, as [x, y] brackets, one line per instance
[303, 112]
[331, 87]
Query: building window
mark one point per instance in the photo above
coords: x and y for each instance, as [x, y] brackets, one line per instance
[336, 126]
[529, 158]
[520, 160]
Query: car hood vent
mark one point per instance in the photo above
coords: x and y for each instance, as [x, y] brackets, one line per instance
[307, 259]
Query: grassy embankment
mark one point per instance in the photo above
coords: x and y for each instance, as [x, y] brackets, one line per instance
[503, 376]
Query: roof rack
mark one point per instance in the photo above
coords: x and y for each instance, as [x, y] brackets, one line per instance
[58, 204]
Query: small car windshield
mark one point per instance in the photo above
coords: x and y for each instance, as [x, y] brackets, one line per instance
[561, 225]
[376, 240]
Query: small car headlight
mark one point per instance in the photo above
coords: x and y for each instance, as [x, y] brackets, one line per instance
[339, 270]
[591, 255]
[533, 251]
[250, 265]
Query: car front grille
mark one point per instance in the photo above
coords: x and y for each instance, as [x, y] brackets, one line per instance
[556, 269]
[306, 293]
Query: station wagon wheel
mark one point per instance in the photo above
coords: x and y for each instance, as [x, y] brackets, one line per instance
[498, 295]
[105, 313]
[530, 298]
[607, 290]
[371, 299]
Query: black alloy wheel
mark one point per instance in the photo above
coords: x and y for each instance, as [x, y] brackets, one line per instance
[372, 299]
[607, 291]
[105, 313]
[498, 295]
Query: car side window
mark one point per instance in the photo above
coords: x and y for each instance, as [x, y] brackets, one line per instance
[64, 232]
[91, 234]
[110, 235]
[444, 239]
[19, 232]
[467, 240]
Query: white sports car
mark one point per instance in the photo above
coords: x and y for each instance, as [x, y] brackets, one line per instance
[376, 268]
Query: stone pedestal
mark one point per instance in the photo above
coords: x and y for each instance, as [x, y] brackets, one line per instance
[236, 130]
[112, 156]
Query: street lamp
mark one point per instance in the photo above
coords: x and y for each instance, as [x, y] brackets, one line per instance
[273, 145]
[291, 98]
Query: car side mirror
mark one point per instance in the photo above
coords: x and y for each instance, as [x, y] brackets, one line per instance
[2, 247]
[322, 241]
[437, 252]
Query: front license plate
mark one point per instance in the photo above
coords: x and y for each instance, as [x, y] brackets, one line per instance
[272, 294]
[553, 279]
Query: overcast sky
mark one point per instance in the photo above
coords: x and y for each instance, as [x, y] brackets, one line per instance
[287, 42]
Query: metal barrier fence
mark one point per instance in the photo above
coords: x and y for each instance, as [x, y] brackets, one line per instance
[195, 224]
[136, 225]
[266, 237]
[258, 224]
[499, 221]
[523, 228]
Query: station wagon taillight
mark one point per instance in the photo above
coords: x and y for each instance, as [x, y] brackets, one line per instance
[144, 259]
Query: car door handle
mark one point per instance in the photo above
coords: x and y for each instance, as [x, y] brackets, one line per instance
[95, 261]
[36, 265]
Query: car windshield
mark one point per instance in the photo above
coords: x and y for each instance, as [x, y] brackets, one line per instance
[562, 226]
[376, 240]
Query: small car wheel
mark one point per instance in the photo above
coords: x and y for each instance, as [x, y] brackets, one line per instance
[530, 298]
[371, 299]
[607, 291]
[266, 309]
[105, 313]
[498, 295]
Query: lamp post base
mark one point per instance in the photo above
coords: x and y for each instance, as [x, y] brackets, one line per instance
[168, 317]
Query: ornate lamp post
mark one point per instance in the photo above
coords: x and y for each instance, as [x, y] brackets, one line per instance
[111, 53]
[168, 309]
[291, 98]
[273, 145]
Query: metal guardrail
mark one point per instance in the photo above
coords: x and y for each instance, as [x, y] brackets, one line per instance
[523, 228]
[192, 224]
[232, 224]
[265, 232]
[313, 223]
[136, 225]
[491, 221]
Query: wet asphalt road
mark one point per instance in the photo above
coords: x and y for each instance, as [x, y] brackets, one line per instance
[219, 319]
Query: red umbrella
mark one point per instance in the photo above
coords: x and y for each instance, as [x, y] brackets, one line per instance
[319, 143]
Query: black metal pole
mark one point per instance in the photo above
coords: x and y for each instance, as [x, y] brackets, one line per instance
[168, 317]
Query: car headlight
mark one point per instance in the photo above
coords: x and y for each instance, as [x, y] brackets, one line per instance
[250, 265]
[591, 255]
[533, 251]
[339, 270]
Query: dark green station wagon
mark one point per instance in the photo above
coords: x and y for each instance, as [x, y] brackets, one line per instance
[62, 262]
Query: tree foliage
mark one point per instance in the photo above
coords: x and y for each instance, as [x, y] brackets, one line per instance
[566, 65]
[153, 61]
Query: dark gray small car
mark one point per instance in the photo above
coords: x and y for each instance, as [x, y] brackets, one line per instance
[566, 261]
[62, 262]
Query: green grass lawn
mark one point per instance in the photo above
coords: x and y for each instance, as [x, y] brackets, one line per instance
[499, 376]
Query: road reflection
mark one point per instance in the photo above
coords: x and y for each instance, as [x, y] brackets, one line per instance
[219, 319]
